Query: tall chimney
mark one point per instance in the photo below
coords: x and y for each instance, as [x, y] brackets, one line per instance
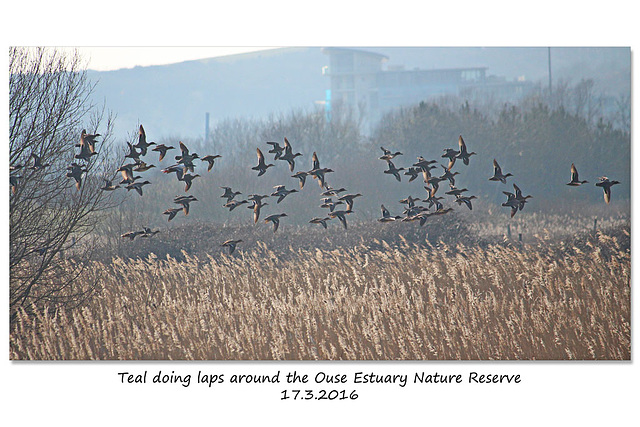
[206, 129]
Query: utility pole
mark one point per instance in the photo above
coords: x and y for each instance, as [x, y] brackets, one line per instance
[206, 129]
[549, 58]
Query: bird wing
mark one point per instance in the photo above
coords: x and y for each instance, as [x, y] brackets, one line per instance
[127, 173]
[462, 145]
[518, 191]
[163, 152]
[184, 149]
[496, 168]
[574, 173]
[185, 207]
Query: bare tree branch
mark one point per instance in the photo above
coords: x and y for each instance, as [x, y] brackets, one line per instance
[49, 105]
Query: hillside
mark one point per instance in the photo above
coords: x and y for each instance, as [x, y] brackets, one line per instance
[172, 99]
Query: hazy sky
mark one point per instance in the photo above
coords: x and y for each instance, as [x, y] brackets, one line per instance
[113, 58]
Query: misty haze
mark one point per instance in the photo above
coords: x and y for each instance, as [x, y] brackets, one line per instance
[323, 203]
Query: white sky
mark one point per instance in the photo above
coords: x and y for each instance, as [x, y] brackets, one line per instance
[113, 58]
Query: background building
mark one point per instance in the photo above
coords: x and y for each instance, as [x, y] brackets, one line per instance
[361, 84]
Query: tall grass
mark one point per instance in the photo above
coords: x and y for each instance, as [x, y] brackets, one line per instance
[551, 299]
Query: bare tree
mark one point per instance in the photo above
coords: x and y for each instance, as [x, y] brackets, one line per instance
[623, 112]
[52, 215]
[586, 102]
[559, 97]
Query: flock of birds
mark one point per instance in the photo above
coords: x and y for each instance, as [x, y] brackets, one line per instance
[185, 166]
[515, 201]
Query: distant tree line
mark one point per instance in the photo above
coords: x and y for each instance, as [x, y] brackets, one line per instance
[535, 141]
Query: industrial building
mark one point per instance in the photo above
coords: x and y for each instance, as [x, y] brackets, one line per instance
[361, 83]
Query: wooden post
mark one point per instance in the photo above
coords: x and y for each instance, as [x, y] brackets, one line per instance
[519, 237]
[595, 225]
[509, 231]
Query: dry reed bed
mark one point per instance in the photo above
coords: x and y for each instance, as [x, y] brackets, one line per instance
[400, 302]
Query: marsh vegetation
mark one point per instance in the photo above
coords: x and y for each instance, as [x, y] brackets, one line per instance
[546, 299]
